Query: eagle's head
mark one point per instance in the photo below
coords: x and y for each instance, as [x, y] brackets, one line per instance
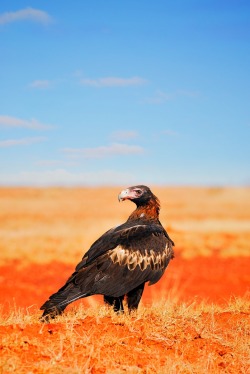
[140, 195]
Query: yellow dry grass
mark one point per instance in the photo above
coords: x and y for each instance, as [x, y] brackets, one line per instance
[166, 338]
[41, 225]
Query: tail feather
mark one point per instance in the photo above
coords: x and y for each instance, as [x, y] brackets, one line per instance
[59, 300]
[73, 290]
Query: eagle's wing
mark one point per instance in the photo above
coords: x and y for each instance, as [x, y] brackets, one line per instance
[123, 258]
[120, 235]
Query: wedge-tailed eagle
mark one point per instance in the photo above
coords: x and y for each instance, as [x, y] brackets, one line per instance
[122, 260]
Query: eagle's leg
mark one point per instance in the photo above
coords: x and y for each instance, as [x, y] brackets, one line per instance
[115, 302]
[134, 297]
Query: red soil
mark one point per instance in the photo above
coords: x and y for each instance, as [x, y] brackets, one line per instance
[212, 279]
[137, 350]
[136, 346]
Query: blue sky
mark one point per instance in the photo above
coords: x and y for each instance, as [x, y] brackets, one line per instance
[125, 92]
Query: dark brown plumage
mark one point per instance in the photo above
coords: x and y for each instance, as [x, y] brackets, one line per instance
[122, 260]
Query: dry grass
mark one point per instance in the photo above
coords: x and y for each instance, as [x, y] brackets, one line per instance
[167, 338]
[40, 225]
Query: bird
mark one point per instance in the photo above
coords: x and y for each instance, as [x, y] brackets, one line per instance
[121, 261]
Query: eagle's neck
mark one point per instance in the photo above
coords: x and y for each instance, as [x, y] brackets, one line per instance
[149, 210]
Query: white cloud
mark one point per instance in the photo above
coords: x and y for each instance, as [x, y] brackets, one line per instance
[62, 177]
[170, 133]
[41, 84]
[48, 163]
[28, 14]
[55, 163]
[124, 135]
[187, 93]
[115, 149]
[161, 97]
[23, 141]
[12, 122]
[113, 82]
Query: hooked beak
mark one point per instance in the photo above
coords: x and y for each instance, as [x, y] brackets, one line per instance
[123, 195]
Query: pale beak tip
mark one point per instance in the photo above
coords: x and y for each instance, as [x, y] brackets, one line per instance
[123, 195]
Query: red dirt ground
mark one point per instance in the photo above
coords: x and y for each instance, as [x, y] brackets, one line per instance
[136, 349]
[131, 349]
[212, 279]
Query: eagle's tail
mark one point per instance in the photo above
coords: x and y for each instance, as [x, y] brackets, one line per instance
[57, 302]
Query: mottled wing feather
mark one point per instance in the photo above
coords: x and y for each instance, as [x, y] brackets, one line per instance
[123, 268]
[118, 235]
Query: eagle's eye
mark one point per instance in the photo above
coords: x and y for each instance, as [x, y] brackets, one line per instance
[138, 192]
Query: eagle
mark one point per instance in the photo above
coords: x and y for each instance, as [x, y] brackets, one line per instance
[121, 261]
